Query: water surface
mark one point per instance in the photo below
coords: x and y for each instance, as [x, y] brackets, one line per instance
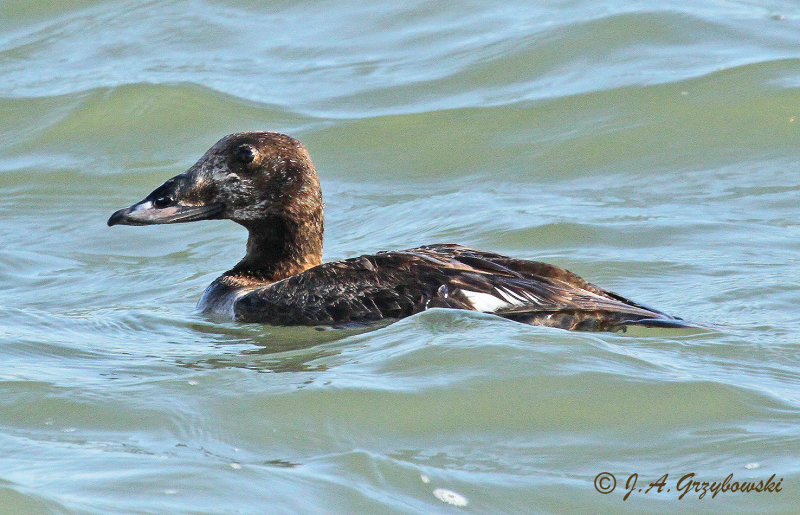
[651, 147]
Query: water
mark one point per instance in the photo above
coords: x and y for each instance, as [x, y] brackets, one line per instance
[650, 147]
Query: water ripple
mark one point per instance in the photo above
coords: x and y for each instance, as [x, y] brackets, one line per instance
[651, 148]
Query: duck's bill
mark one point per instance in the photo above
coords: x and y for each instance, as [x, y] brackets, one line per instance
[144, 213]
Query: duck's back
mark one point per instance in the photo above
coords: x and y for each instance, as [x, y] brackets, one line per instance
[396, 284]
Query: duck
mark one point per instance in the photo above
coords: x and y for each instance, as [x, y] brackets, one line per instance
[266, 182]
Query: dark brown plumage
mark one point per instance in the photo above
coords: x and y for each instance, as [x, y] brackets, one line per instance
[266, 182]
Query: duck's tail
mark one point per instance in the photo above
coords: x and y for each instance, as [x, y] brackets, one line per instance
[597, 320]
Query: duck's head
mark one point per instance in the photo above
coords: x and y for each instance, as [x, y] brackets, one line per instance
[247, 177]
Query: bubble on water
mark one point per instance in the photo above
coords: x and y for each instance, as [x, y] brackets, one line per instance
[751, 466]
[450, 497]
[236, 466]
[425, 479]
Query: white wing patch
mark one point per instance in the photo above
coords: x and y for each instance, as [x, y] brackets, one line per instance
[503, 299]
[485, 302]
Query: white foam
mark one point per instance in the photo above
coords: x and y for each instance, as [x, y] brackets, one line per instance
[450, 497]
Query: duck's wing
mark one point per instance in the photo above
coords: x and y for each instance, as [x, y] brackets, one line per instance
[400, 283]
[540, 293]
[358, 290]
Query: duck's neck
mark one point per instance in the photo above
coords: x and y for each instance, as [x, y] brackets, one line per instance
[278, 248]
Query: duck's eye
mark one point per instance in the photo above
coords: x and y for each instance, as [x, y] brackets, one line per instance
[162, 202]
[245, 154]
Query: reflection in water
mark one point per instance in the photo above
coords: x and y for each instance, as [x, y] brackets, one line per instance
[276, 349]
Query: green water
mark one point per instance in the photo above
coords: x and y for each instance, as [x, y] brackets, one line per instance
[650, 147]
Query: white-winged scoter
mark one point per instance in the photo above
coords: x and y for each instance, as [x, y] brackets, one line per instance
[266, 182]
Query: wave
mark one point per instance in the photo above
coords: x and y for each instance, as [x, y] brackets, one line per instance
[408, 60]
